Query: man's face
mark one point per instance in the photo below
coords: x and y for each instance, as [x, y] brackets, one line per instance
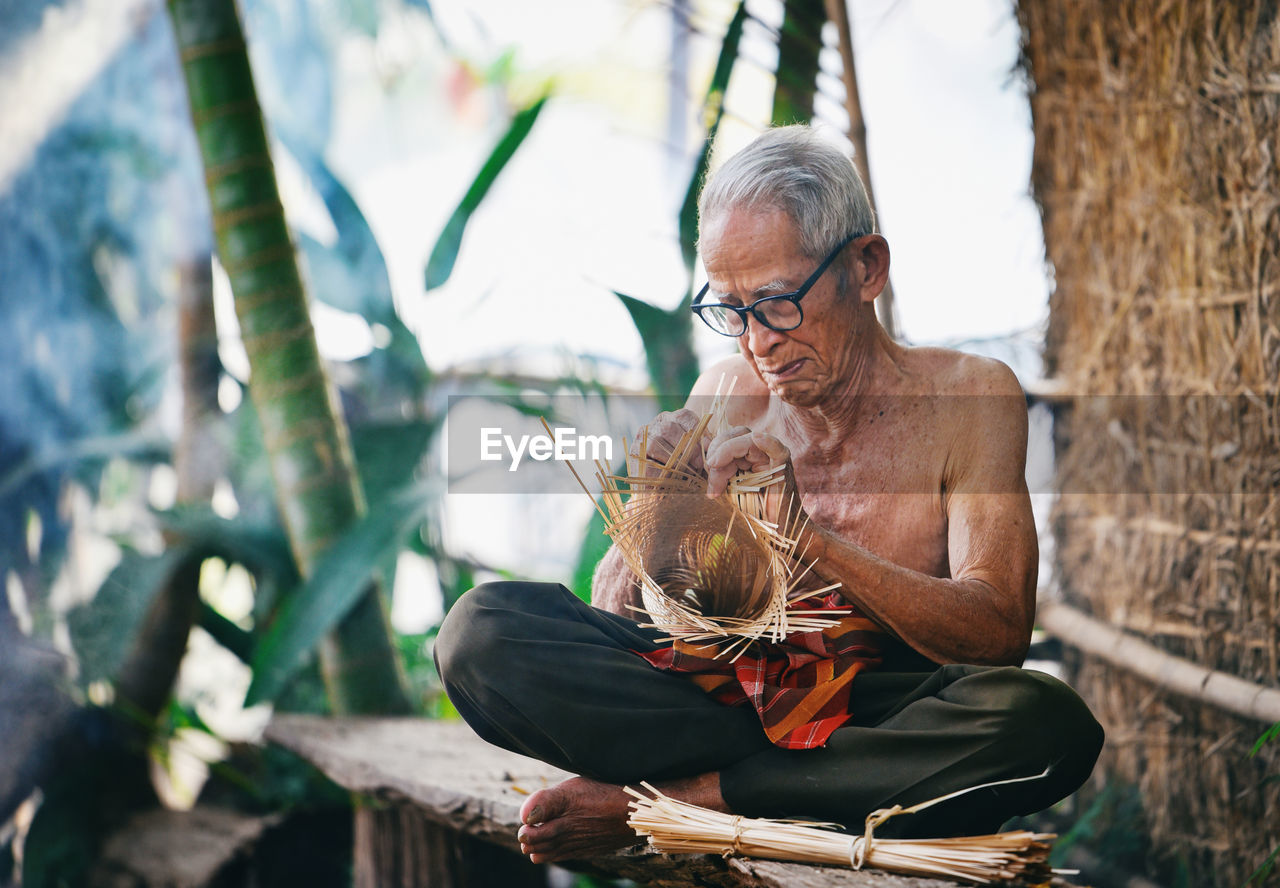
[750, 254]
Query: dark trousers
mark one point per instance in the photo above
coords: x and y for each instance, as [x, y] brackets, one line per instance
[533, 669]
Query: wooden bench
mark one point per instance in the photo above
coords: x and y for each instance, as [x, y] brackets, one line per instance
[440, 808]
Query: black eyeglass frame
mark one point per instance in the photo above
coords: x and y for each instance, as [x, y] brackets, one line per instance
[793, 297]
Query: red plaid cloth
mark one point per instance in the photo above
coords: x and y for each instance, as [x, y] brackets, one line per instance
[800, 686]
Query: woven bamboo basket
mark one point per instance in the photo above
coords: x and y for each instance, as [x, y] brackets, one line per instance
[718, 572]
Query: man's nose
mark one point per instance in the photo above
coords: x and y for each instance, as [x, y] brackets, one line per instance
[760, 339]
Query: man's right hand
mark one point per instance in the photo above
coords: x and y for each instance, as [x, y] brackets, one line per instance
[664, 432]
[614, 587]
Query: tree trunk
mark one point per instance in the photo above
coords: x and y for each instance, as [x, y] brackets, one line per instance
[317, 489]
[799, 44]
[839, 13]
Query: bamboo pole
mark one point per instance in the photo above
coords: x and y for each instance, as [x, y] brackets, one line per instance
[308, 444]
[1174, 674]
[838, 13]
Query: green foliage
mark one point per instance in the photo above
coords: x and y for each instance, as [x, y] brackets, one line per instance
[61, 843]
[1268, 866]
[350, 274]
[103, 630]
[86, 256]
[582, 880]
[306, 436]
[1113, 828]
[1268, 735]
[424, 682]
[240, 642]
[713, 112]
[340, 579]
[90, 337]
[594, 546]
[388, 453]
[668, 348]
[260, 546]
[445, 252]
[1265, 869]
[668, 335]
[94, 788]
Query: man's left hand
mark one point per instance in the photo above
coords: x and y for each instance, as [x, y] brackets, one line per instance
[742, 450]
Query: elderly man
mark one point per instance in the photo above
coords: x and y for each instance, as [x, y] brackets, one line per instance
[908, 465]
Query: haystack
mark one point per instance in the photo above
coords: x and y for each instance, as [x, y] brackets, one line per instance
[1157, 127]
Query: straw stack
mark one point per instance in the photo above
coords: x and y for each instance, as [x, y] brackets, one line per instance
[1157, 133]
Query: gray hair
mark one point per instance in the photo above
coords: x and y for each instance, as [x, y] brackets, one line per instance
[797, 171]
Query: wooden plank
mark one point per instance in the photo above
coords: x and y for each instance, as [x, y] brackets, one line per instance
[179, 849]
[456, 779]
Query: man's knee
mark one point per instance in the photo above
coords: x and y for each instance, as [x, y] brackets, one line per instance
[1045, 715]
[473, 629]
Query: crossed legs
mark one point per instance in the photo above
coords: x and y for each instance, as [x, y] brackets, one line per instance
[533, 669]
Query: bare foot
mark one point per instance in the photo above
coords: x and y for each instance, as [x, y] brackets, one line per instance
[582, 818]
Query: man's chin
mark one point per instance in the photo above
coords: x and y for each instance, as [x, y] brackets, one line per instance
[795, 392]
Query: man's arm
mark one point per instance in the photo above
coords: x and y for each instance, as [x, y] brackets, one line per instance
[614, 587]
[984, 612]
[982, 615]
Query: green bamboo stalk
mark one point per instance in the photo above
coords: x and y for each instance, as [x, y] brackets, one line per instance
[799, 43]
[317, 488]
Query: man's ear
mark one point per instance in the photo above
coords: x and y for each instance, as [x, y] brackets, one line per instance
[871, 265]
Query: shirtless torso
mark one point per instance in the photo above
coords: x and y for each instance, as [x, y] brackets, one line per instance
[925, 475]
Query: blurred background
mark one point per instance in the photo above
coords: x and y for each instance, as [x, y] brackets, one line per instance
[490, 201]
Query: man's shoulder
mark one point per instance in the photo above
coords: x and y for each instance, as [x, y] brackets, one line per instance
[978, 400]
[750, 399]
[981, 404]
[944, 371]
[733, 371]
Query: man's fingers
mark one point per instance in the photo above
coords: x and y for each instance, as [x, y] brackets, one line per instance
[664, 432]
[685, 418]
[776, 453]
[740, 449]
[748, 450]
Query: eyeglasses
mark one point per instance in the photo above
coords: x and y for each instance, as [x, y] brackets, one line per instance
[781, 312]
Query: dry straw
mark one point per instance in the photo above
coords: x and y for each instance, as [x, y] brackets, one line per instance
[675, 827]
[712, 571]
[1157, 128]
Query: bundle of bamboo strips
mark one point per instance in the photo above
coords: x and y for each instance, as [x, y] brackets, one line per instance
[675, 827]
